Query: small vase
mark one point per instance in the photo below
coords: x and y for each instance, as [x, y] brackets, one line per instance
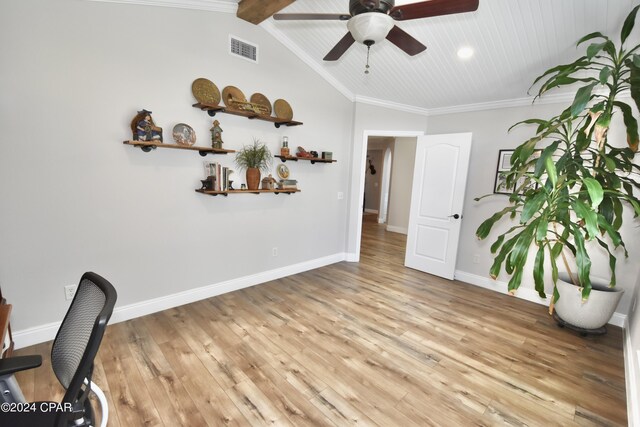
[253, 178]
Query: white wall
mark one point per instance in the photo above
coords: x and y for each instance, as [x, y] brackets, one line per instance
[372, 120]
[401, 183]
[74, 198]
[489, 130]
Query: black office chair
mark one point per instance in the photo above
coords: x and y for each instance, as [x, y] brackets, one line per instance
[74, 348]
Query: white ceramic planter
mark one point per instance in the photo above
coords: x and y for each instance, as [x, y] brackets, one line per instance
[592, 314]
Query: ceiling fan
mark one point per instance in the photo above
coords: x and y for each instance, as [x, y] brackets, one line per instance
[371, 21]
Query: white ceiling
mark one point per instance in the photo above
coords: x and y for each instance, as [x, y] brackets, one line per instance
[514, 41]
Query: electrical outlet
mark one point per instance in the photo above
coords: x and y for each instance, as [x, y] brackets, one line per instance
[274, 251]
[70, 292]
[476, 259]
[340, 195]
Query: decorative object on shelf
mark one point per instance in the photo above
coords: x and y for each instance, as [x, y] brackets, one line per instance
[232, 97]
[248, 113]
[283, 109]
[283, 171]
[184, 134]
[216, 135]
[243, 187]
[260, 100]
[254, 159]
[303, 153]
[287, 184]
[269, 183]
[205, 92]
[209, 183]
[284, 150]
[327, 155]
[313, 154]
[585, 180]
[143, 127]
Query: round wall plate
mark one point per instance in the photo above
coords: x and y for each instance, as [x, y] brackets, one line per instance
[205, 91]
[283, 171]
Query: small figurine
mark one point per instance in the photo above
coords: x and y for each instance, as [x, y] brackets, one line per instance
[144, 129]
[303, 153]
[269, 183]
[216, 135]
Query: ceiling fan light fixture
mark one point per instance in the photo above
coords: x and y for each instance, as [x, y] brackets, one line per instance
[370, 27]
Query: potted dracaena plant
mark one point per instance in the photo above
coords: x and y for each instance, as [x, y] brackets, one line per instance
[254, 159]
[570, 183]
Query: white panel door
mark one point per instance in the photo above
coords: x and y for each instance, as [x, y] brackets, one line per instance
[437, 196]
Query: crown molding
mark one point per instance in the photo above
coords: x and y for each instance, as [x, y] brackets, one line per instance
[306, 58]
[392, 105]
[208, 5]
[506, 103]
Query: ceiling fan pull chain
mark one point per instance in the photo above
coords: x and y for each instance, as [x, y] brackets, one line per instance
[366, 68]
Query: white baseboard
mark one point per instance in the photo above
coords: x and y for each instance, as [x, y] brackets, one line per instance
[374, 211]
[394, 229]
[618, 319]
[352, 257]
[43, 333]
[631, 376]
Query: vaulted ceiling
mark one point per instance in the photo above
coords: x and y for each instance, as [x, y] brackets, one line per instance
[513, 41]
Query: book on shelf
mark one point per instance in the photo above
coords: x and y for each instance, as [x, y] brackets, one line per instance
[219, 172]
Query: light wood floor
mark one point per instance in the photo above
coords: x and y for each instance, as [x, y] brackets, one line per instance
[371, 343]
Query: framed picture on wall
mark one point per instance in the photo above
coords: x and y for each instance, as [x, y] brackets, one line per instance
[504, 165]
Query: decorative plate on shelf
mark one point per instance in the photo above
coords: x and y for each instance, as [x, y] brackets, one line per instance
[283, 109]
[231, 96]
[184, 134]
[260, 99]
[283, 171]
[205, 91]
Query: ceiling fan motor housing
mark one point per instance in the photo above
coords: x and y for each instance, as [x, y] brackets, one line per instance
[357, 7]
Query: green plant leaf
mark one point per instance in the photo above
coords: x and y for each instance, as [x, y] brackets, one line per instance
[496, 245]
[554, 269]
[590, 217]
[494, 271]
[551, 171]
[541, 230]
[617, 210]
[631, 124]
[634, 79]
[546, 153]
[605, 73]
[581, 99]
[594, 49]
[592, 36]
[582, 258]
[532, 206]
[595, 191]
[612, 263]
[538, 271]
[611, 232]
[628, 24]
[485, 228]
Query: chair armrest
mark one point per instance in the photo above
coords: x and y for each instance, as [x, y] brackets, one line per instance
[11, 365]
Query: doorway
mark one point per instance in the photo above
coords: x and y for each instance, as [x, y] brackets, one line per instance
[358, 185]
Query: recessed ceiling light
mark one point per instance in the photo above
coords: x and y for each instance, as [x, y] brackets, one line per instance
[465, 52]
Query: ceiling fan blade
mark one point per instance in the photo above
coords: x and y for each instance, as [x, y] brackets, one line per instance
[405, 41]
[426, 9]
[311, 16]
[340, 48]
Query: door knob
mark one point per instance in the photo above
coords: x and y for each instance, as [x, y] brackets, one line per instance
[455, 216]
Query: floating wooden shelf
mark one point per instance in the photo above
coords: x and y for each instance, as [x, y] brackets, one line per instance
[147, 146]
[213, 109]
[226, 193]
[310, 159]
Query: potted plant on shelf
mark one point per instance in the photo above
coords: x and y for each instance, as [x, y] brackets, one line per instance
[570, 184]
[254, 159]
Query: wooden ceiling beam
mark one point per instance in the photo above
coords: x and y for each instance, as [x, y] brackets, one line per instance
[256, 11]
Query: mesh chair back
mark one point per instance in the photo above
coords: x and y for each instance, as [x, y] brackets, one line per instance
[81, 332]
